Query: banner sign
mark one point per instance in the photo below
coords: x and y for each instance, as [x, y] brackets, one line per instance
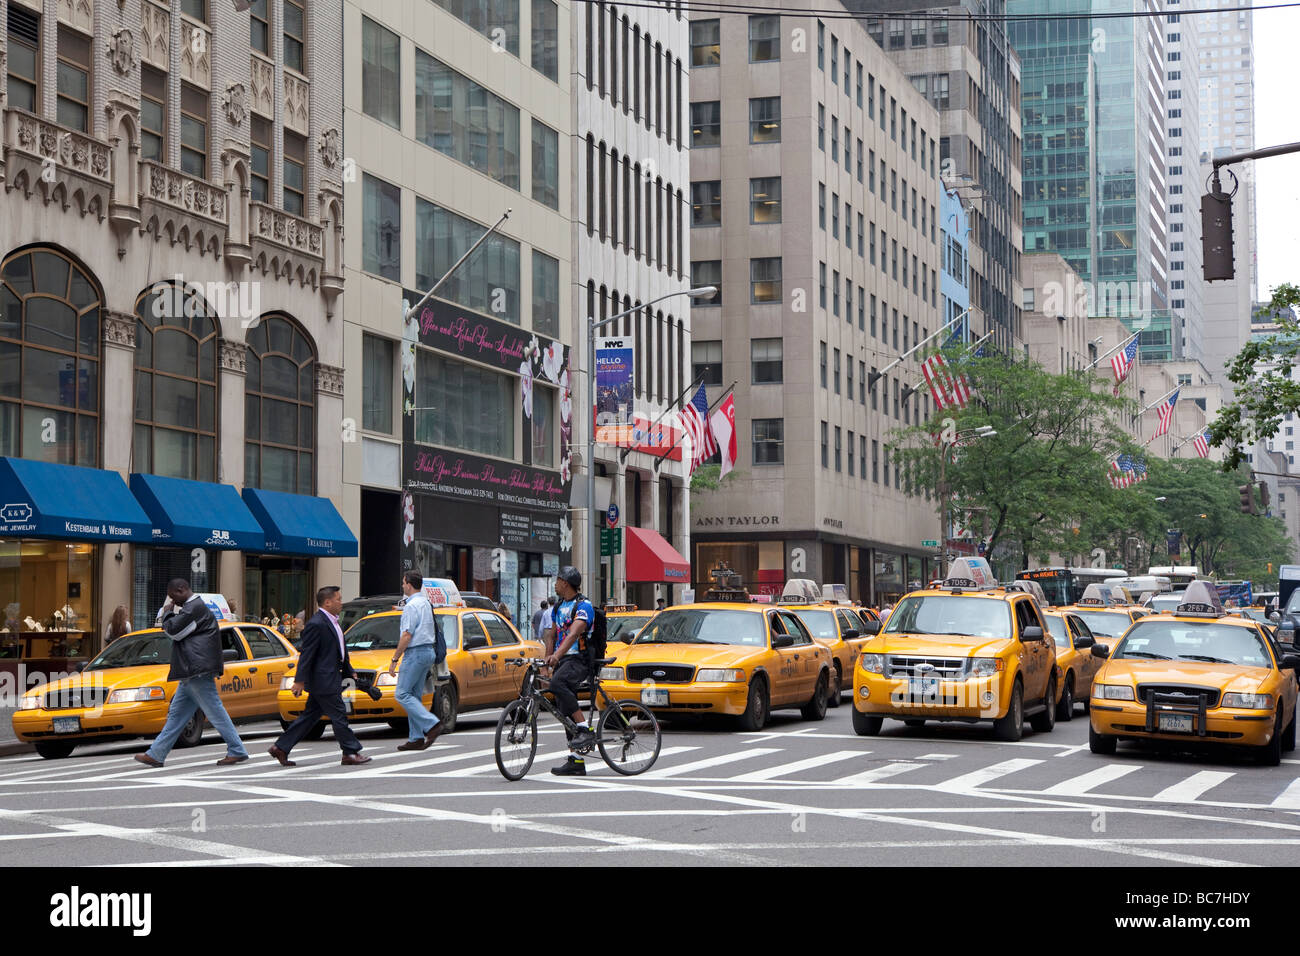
[1175, 540]
[460, 475]
[614, 391]
[656, 438]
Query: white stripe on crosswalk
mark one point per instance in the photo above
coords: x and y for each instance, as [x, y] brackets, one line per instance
[781, 770]
[708, 763]
[936, 756]
[879, 773]
[1289, 798]
[593, 760]
[1078, 786]
[1193, 786]
[978, 778]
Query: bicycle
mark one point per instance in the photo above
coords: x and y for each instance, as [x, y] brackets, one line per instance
[624, 734]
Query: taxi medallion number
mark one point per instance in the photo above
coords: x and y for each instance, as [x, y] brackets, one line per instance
[67, 725]
[1177, 723]
[654, 698]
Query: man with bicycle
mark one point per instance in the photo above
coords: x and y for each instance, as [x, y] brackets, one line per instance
[567, 655]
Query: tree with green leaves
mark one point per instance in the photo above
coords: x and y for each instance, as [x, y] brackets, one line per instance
[1263, 390]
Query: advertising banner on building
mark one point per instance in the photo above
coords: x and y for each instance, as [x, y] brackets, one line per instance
[615, 391]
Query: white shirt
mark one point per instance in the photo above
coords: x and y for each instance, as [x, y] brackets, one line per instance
[343, 652]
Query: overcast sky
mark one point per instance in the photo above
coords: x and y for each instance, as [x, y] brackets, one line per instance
[1277, 121]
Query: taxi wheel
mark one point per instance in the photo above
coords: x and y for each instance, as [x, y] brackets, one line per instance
[1045, 720]
[1012, 726]
[1065, 711]
[1102, 744]
[193, 732]
[757, 708]
[1270, 755]
[55, 751]
[316, 732]
[446, 706]
[1288, 736]
[815, 709]
[866, 725]
[837, 688]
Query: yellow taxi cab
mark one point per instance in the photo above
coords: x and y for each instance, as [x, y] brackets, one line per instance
[968, 651]
[842, 634]
[1108, 611]
[622, 621]
[479, 643]
[124, 691]
[1196, 676]
[723, 658]
[1075, 665]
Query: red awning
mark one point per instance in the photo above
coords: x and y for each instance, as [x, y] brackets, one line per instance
[651, 558]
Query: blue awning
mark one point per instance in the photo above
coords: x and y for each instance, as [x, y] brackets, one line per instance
[197, 513]
[40, 499]
[301, 524]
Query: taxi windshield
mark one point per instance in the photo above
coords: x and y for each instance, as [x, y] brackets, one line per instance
[1105, 623]
[374, 633]
[820, 623]
[705, 626]
[951, 615]
[1056, 625]
[129, 651]
[1209, 643]
[625, 626]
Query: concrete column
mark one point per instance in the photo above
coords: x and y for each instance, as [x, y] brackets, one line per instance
[681, 533]
[652, 520]
[233, 358]
[618, 495]
[117, 373]
[329, 462]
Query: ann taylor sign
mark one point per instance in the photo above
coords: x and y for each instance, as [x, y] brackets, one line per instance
[737, 521]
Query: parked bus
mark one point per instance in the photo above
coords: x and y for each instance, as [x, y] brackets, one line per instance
[1181, 575]
[1066, 585]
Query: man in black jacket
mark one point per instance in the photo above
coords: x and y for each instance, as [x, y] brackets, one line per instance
[323, 665]
[196, 662]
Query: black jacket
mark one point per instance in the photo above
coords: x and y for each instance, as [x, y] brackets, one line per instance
[196, 641]
[321, 666]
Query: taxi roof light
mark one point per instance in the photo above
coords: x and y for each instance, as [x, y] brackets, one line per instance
[1101, 595]
[1200, 599]
[973, 574]
[1029, 587]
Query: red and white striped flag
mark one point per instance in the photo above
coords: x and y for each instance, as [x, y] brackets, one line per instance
[947, 391]
[694, 420]
[1122, 362]
[1202, 444]
[723, 422]
[1166, 412]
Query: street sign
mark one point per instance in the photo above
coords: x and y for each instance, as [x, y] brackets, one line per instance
[611, 541]
[929, 544]
[611, 516]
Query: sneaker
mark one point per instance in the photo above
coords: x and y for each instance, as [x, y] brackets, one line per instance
[583, 740]
[572, 767]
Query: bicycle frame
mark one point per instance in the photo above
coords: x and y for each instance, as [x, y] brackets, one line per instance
[535, 687]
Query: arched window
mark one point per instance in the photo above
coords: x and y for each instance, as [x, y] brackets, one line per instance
[280, 408]
[175, 383]
[49, 358]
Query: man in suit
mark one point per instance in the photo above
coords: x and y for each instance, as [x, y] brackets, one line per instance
[323, 665]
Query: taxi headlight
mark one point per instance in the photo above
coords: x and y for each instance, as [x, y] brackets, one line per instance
[611, 673]
[986, 666]
[385, 679]
[1112, 692]
[719, 675]
[873, 663]
[286, 683]
[32, 702]
[1248, 701]
[136, 695]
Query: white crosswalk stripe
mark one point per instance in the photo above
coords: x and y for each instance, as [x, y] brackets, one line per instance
[1289, 799]
[809, 763]
[1078, 786]
[977, 778]
[1194, 786]
[708, 763]
[879, 773]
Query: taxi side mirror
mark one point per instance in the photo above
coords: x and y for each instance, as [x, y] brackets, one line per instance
[782, 640]
[1081, 642]
[1101, 650]
[1032, 633]
[1291, 662]
[473, 643]
[230, 654]
[870, 627]
[850, 634]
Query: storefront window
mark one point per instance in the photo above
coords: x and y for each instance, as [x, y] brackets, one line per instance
[761, 565]
[915, 574]
[889, 577]
[274, 587]
[47, 595]
[155, 567]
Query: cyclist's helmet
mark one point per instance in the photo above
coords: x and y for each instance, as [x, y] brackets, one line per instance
[572, 576]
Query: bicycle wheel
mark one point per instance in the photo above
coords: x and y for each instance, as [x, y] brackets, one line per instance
[628, 738]
[516, 740]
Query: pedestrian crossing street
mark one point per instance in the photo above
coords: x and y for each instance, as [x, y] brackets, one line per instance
[803, 760]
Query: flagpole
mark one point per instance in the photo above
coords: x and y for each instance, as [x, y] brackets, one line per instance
[699, 380]
[1122, 345]
[874, 377]
[974, 345]
[730, 389]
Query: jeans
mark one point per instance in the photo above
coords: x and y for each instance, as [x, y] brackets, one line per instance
[197, 693]
[569, 674]
[415, 667]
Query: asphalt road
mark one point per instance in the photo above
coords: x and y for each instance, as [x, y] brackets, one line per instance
[796, 793]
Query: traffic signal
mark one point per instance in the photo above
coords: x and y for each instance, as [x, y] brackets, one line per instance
[1247, 499]
[1216, 236]
[1263, 495]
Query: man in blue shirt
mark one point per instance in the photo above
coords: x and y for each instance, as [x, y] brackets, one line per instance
[572, 618]
[419, 649]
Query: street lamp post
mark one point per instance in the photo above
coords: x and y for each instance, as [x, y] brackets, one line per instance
[983, 431]
[593, 541]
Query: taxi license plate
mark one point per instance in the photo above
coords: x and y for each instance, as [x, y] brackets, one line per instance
[67, 725]
[924, 687]
[1177, 723]
[654, 698]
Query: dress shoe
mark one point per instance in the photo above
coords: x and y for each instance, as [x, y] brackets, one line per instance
[147, 760]
[414, 745]
[433, 733]
[353, 760]
[281, 756]
[229, 760]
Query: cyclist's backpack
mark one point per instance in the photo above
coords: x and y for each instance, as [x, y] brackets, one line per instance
[595, 641]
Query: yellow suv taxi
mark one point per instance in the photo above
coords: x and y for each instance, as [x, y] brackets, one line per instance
[722, 658]
[1196, 676]
[967, 651]
[479, 643]
[842, 633]
[124, 691]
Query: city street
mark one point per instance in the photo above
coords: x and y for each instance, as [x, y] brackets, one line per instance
[796, 793]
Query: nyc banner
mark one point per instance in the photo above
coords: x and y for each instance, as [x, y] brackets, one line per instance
[614, 391]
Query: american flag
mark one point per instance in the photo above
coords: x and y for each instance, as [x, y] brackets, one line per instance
[1140, 470]
[1123, 362]
[1202, 444]
[949, 391]
[1123, 472]
[694, 420]
[1166, 415]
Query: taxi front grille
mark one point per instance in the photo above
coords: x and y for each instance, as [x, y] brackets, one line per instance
[73, 698]
[945, 668]
[661, 673]
[1190, 692]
